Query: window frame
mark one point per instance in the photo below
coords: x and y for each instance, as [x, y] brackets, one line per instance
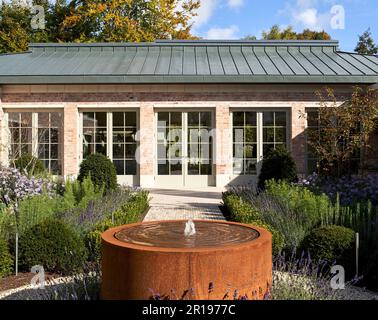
[259, 137]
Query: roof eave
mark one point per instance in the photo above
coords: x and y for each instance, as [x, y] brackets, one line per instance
[195, 79]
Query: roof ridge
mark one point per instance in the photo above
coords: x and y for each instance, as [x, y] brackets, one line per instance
[323, 43]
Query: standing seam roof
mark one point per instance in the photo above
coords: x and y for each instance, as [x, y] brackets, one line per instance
[189, 62]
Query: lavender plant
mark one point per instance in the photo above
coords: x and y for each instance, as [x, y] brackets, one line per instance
[15, 186]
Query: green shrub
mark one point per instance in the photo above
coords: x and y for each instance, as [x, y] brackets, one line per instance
[128, 212]
[277, 164]
[8, 224]
[101, 171]
[131, 211]
[331, 243]
[242, 211]
[53, 245]
[31, 164]
[6, 260]
[310, 206]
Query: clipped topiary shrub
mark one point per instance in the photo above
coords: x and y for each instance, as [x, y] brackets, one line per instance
[331, 243]
[30, 164]
[242, 211]
[53, 245]
[6, 260]
[278, 164]
[101, 171]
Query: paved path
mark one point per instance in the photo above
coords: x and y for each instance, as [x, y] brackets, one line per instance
[183, 204]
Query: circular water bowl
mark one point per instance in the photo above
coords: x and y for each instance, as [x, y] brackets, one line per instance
[143, 259]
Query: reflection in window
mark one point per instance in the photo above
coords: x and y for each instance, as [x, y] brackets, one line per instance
[199, 143]
[50, 134]
[45, 142]
[244, 142]
[124, 142]
[94, 133]
[274, 130]
[169, 143]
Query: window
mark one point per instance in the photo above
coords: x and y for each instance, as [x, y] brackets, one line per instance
[124, 143]
[245, 142]
[169, 138]
[49, 134]
[120, 129]
[312, 126]
[254, 135]
[21, 130]
[94, 133]
[199, 143]
[274, 130]
[38, 134]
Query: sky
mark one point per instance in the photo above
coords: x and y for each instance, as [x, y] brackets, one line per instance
[344, 20]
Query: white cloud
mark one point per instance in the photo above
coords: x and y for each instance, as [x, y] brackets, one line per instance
[204, 13]
[305, 14]
[235, 3]
[222, 33]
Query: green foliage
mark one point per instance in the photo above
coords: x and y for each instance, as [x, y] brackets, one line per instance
[95, 20]
[81, 193]
[276, 33]
[101, 170]
[8, 224]
[6, 260]
[53, 245]
[137, 20]
[366, 44]
[331, 243]
[242, 211]
[128, 212]
[342, 139]
[277, 164]
[299, 199]
[36, 209]
[30, 164]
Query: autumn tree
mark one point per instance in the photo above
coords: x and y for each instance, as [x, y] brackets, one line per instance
[131, 20]
[366, 44]
[344, 129]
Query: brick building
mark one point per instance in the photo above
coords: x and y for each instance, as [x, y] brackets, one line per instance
[170, 113]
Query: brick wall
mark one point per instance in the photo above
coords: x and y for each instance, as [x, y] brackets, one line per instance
[147, 97]
[71, 143]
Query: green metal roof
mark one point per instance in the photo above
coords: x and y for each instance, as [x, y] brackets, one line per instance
[188, 62]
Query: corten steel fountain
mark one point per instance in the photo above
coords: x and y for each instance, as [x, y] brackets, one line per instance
[171, 257]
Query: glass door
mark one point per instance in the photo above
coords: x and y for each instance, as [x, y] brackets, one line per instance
[184, 149]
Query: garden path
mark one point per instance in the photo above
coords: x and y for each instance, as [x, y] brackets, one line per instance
[183, 204]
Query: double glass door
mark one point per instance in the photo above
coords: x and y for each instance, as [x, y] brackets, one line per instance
[184, 148]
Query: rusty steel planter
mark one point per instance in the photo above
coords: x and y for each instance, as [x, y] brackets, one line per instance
[132, 271]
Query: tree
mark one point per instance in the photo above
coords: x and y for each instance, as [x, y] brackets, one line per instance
[276, 33]
[344, 130]
[131, 20]
[95, 20]
[366, 44]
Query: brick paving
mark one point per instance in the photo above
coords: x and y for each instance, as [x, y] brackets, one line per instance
[183, 204]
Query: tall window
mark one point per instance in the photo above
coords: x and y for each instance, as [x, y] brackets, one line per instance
[38, 134]
[124, 144]
[169, 137]
[274, 130]
[245, 142]
[199, 143]
[94, 133]
[254, 135]
[21, 130]
[49, 135]
[117, 128]
[312, 126]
